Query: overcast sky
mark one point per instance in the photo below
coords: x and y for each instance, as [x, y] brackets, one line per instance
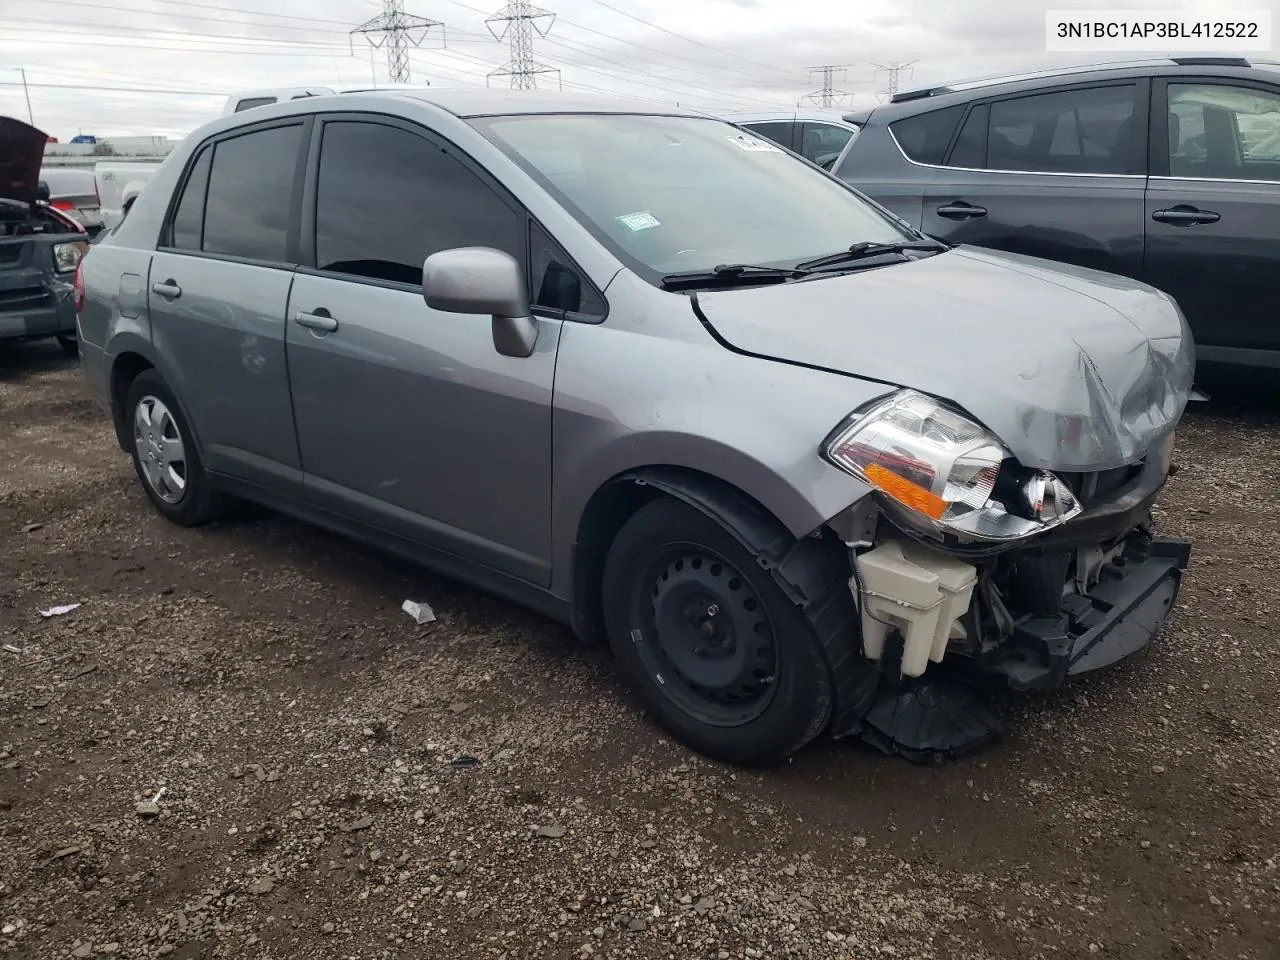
[81, 56]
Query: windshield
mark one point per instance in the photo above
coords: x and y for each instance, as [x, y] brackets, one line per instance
[681, 194]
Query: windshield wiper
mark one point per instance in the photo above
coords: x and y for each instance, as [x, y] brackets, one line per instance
[866, 248]
[730, 274]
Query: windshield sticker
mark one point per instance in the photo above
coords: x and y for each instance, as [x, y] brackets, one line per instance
[643, 220]
[745, 141]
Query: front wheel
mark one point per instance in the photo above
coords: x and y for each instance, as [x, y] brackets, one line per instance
[165, 455]
[715, 649]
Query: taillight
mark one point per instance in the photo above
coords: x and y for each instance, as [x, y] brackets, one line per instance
[77, 288]
[66, 206]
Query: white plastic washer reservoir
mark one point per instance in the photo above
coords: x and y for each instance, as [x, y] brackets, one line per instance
[921, 592]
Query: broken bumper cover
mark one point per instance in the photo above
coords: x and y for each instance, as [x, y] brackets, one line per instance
[1116, 619]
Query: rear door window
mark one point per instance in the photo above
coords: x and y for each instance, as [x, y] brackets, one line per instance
[1086, 130]
[388, 198]
[250, 191]
[822, 142]
[925, 137]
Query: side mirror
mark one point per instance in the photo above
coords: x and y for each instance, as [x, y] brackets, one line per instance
[482, 280]
[42, 191]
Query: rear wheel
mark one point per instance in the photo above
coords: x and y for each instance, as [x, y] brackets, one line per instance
[165, 455]
[720, 655]
[69, 344]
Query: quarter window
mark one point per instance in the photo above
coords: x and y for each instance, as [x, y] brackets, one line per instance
[188, 220]
[555, 282]
[971, 145]
[925, 137]
[777, 131]
[250, 190]
[1223, 132]
[388, 198]
[1073, 131]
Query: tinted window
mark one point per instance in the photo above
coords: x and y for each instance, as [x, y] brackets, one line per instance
[970, 149]
[1224, 132]
[925, 138]
[555, 282]
[254, 102]
[1075, 131]
[388, 199]
[778, 132]
[681, 194]
[250, 187]
[188, 219]
[822, 142]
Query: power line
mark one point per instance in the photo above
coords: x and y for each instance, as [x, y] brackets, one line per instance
[520, 20]
[680, 36]
[828, 95]
[81, 86]
[640, 46]
[893, 68]
[396, 30]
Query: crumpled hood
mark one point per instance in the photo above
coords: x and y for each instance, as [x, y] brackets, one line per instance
[21, 156]
[1074, 369]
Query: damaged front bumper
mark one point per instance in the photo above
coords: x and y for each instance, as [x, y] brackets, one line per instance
[1115, 619]
[939, 627]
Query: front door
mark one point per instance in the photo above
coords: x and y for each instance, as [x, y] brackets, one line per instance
[408, 419]
[218, 288]
[1213, 213]
[1059, 174]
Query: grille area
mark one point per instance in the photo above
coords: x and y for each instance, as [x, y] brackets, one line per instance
[1094, 487]
[24, 298]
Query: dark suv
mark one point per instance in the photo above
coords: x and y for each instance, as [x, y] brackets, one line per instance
[1167, 171]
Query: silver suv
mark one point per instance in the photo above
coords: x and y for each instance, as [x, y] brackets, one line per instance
[664, 381]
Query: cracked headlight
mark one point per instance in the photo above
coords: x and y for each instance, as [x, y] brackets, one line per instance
[942, 474]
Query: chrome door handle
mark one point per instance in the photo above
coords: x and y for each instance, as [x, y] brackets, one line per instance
[167, 289]
[315, 321]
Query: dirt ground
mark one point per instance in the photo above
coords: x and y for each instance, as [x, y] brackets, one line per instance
[312, 746]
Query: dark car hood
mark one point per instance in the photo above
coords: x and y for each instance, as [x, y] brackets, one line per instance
[1075, 370]
[21, 155]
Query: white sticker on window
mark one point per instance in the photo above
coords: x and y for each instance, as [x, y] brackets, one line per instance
[643, 220]
[747, 142]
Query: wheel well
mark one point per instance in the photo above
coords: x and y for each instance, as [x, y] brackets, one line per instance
[123, 372]
[619, 499]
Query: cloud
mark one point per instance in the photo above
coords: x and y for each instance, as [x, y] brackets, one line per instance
[82, 58]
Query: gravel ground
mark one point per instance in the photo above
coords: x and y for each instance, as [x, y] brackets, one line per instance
[239, 746]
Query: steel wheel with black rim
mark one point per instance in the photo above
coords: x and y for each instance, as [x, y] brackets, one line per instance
[165, 455]
[718, 652]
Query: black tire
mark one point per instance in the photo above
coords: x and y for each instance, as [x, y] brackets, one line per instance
[714, 648]
[70, 345]
[197, 503]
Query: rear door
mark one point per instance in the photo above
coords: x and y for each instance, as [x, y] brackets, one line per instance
[1213, 212]
[219, 284]
[1059, 174]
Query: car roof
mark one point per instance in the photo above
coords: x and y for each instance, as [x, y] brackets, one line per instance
[467, 102]
[935, 97]
[765, 116]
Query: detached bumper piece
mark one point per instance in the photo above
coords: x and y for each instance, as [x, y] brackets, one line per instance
[1116, 619]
